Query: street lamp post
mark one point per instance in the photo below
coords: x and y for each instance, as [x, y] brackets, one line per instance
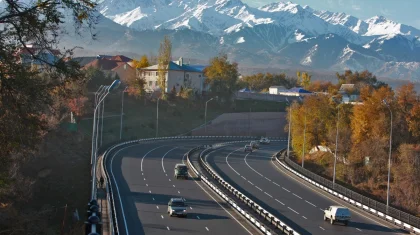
[336, 144]
[304, 140]
[290, 125]
[205, 115]
[157, 117]
[122, 111]
[102, 120]
[389, 158]
[97, 95]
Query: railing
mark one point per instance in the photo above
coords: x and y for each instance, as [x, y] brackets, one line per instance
[398, 217]
[250, 203]
[112, 215]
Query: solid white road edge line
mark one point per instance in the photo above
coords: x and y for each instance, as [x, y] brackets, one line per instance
[220, 205]
[163, 157]
[250, 166]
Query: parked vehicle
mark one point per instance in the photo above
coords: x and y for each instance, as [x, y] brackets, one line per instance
[248, 148]
[177, 207]
[264, 140]
[337, 213]
[181, 171]
[254, 145]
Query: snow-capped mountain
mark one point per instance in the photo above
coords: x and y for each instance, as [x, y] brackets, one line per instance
[274, 34]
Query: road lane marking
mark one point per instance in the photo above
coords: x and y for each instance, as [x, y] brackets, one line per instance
[167, 228]
[228, 161]
[221, 205]
[173, 185]
[150, 191]
[161, 216]
[243, 177]
[268, 194]
[157, 207]
[144, 178]
[198, 217]
[191, 208]
[285, 189]
[163, 157]
[280, 202]
[153, 198]
[321, 228]
[297, 196]
[304, 217]
[359, 230]
[142, 173]
[293, 210]
[258, 188]
[147, 185]
[310, 203]
[179, 192]
[141, 164]
[276, 184]
[250, 166]
[207, 229]
[267, 179]
[250, 182]
[169, 179]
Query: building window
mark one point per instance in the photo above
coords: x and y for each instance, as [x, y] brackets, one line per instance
[150, 83]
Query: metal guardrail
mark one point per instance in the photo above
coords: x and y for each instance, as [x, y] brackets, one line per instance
[400, 218]
[250, 203]
[114, 228]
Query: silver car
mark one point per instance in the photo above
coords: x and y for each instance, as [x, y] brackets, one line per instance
[177, 207]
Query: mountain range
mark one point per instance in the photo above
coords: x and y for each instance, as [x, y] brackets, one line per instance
[278, 35]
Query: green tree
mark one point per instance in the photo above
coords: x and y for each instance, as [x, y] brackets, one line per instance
[164, 58]
[222, 76]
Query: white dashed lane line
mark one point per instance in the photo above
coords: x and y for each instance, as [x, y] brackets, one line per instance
[161, 216]
[297, 196]
[304, 217]
[179, 192]
[293, 210]
[173, 185]
[198, 217]
[276, 184]
[250, 182]
[310, 203]
[169, 179]
[267, 179]
[207, 229]
[191, 208]
[144, 178]
[258, 188]
[167, 228]
[147, 185]
[285, 189]
[153, 198]
[157, 207]
[322, 228]
[280, 202]
[268, 194]
[243, 177]
[359, 230]
[150, 191]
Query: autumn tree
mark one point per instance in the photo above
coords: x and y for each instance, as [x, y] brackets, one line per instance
[136, 86]
[304, 79]
[164, 58]
[222, 76]
[142, 63]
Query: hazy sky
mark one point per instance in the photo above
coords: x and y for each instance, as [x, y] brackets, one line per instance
[402, 11]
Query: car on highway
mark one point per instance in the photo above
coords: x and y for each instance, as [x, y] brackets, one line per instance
[181, 171]
[337, 214]
[177, 207]
[248, 148]
[254, 145]
[264, 140]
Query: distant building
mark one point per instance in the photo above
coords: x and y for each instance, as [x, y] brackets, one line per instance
[113, 65]
[349, 93]
[296, 91]
[275, 90]
[177, 74]
[37, 57]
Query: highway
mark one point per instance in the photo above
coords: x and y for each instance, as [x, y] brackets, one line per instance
[297, 204]
[143, 183]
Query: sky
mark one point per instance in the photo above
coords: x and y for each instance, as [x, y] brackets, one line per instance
[401, 11]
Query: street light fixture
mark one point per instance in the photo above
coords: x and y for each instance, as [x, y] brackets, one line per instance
[157, 117]
[290, 125]
[122, 110]
[205, 114]
[389, 158]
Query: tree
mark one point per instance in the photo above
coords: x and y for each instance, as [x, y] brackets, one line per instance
[304, 79]
[222, 76]
[164, 58]
[142, 63]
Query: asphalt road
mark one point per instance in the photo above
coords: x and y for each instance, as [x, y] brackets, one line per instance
[298, 205]
[143, 183]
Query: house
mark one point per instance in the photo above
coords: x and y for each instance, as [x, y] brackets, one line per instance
[275, 90]
[296, 91]
[114, 65]
[349, 93]
[178, 74]
[37, 57]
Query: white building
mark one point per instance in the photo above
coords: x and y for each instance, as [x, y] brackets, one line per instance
[177, 74]
[276, 90]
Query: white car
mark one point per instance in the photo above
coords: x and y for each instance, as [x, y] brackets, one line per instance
[177, 207]
[248, 148]
[264, 141]
[337, 213]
